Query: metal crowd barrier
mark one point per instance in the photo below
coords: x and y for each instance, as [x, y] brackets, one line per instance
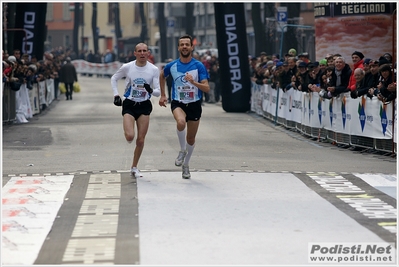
[309, 118]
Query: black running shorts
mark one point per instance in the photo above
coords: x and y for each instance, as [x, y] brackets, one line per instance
[136, 108]
[193, 110]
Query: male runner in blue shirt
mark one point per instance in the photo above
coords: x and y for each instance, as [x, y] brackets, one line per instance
[190, 79]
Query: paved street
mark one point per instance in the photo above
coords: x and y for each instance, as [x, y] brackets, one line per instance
[259, 193]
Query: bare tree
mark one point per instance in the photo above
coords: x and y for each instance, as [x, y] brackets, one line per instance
[189, 18]
[76, 23]
[259, 29]
[94, 27]
[162, 31]
[144, 31]
[290, 40]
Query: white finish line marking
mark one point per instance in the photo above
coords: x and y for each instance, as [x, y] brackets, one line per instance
[30, 205]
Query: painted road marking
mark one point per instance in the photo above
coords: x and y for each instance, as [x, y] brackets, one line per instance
[93, 239]
[360, 196]
[106, 215]
[30, 205]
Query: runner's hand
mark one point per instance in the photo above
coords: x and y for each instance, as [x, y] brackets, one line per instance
[148, 88]
[117, 101]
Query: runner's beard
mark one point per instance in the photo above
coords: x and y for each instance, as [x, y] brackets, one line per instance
[185, 55]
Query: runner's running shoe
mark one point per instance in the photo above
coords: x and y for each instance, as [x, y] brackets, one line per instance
[180, 158]
[135, 172]
[186, 172]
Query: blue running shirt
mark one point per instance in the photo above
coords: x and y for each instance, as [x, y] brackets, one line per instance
[182, 90]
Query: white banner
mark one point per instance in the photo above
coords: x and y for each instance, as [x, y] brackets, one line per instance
[50, 90]
[34, 99]
[22, 105]
[42, 93]
[83, 66]
[361, 117]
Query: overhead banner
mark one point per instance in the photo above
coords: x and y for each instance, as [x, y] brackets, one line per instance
[231, 35]
[31, 17]
[347, 27]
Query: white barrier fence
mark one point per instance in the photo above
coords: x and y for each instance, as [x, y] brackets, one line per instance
[28, 102]
[361, 122]
[83, 66]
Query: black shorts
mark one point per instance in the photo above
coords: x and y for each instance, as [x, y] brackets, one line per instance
[193, 110]
[136, 108]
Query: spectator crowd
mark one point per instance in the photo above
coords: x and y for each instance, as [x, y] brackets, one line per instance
[330, 76]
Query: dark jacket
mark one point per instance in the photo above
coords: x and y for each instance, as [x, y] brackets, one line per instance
[68, 73]
[345, 76]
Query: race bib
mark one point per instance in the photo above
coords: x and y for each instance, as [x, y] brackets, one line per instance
[186, 93]
[138, 92]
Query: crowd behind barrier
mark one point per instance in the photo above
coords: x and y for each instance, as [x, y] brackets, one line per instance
[361, 122]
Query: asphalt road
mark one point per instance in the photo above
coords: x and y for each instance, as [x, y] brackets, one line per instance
[259, 193]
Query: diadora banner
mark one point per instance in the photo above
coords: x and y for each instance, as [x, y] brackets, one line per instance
[233, 56]
[347, 27]
[361, 117]
[32, 18]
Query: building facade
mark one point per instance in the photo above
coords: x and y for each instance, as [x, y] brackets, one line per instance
[60, 19]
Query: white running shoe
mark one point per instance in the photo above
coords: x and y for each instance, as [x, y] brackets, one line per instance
[180, 158]
[186, 172]
[135, 172]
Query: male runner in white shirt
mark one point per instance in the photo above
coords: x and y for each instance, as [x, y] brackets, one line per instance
[142, 81]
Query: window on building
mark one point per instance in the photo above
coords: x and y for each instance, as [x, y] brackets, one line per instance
[49, 13]
[111, 14]
[67, 41]
[82, 14]
[66, 13]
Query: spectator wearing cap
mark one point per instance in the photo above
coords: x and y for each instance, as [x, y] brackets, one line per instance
[323, 64]
[304, 57]
[284, 77]
[275, 79]
[315, 74]
[357, 60]
[370, 80]
[388, 57]
[340, 77]
[292, 52]
[386, 81]
[275, 57]
[302, 77]
[382, 60]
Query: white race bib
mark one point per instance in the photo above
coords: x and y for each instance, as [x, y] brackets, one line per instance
[186, 93]
[138, 92]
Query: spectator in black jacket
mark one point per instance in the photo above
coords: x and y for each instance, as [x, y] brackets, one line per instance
[68, 76]
[340, 77]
